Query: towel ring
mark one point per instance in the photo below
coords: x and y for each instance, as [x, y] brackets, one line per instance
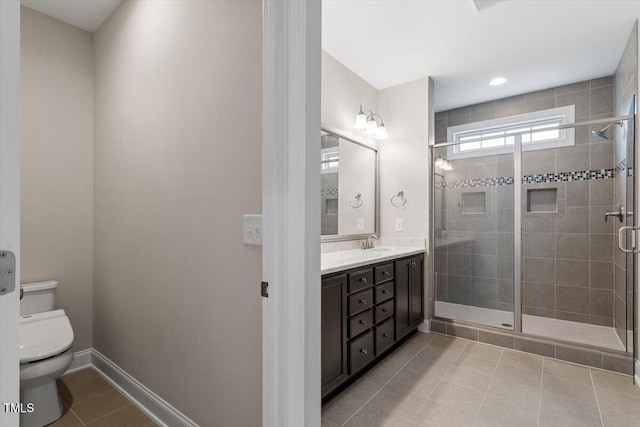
[401, 196]
[358, 199]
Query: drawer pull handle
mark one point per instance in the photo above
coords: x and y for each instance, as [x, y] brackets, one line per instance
[362, 322]
[362, 301]
[413, 263]
[363, 351]
[363, 279]
[384, 310]
[385, 335]
[385, 292]
[385, 273]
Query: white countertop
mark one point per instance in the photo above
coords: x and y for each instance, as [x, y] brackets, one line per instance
[344, 260]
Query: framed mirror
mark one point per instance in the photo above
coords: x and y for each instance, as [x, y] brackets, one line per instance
[349, 188]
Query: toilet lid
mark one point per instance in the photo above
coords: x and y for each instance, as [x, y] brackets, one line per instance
[44, 335]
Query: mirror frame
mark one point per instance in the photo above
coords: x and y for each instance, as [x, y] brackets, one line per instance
[374, 148]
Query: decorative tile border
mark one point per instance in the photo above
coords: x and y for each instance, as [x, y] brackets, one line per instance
[329, 192]
[540, 178]
[481, 182]
[622, 166]
[569, 176]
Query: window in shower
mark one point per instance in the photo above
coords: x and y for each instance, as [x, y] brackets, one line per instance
[497, 136]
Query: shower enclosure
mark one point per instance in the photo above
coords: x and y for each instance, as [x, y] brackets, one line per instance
[538, 238]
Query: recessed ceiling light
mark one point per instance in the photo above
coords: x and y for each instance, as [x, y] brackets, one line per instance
[497, 81]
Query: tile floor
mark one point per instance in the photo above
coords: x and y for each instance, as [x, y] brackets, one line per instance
[91, 401]
[436, 380]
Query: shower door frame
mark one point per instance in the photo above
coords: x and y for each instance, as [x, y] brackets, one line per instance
[517, 182]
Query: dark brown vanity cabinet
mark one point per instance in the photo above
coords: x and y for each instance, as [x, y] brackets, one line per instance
[334, 331]
[409, 294]
[365, 311]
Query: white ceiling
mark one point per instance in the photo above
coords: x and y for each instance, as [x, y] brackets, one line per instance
[85, 14]
[535, 44]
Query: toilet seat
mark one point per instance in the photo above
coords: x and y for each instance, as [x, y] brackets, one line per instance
[43, 335]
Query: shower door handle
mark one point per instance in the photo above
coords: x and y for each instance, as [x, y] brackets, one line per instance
[633, 230]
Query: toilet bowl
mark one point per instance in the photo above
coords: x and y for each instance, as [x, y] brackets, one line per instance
[46, 340]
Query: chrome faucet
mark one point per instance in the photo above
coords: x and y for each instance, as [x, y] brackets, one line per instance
[368, 244]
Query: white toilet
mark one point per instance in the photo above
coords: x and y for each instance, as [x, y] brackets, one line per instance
[46, 338]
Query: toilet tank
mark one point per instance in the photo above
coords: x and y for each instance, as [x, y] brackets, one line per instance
[38, 297]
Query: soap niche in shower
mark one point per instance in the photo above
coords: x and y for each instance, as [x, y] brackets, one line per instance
[542, 200]
[474, 203]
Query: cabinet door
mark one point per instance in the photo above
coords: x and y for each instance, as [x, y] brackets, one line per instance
[417, 290]
[402, 297]
[334, 330]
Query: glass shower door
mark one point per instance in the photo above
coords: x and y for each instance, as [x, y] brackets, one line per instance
[577, 284]
[474, 235]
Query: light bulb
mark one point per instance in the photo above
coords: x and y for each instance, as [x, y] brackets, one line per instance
[372, 127]
[381, 133]
[361, 121]
[439, 162]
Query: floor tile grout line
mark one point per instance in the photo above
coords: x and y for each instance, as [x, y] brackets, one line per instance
[440, 380]
[76, 415]
[541, 386]
[389, 380]
[486, 393]
[593, 384]
[109, 413]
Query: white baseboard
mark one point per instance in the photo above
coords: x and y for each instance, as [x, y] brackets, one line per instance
[81, 360]
[158, 409]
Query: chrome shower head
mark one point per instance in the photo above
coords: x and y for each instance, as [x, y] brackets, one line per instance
[602, 133]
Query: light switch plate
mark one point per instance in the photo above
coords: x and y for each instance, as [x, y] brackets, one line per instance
[252, 230]
[399, 225]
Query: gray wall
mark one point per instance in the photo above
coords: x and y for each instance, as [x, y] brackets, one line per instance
[626, 86]
[178, 159]
[57, 164]
[568, 255]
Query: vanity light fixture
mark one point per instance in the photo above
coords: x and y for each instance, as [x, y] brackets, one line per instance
[443, 164]
[366, 121]
[361, 120]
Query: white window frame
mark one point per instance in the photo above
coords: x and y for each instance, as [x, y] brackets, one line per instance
[564, 115]
[332, 153]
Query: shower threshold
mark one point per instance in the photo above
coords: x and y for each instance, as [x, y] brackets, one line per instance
[565, 330]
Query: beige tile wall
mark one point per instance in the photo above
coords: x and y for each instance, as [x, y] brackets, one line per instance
[626, 86]
[567, 256]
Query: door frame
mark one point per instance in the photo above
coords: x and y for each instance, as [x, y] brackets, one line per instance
[10, 201]
[291, 208]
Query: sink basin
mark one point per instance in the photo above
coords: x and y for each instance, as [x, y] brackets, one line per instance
[380, 250]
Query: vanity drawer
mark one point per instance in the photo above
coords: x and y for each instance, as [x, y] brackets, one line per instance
[360, 280]
[384, 336]
[384, 292]
[360, 302]
[384, 273]
[360, 351]
[384, 311]
[360, 323]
